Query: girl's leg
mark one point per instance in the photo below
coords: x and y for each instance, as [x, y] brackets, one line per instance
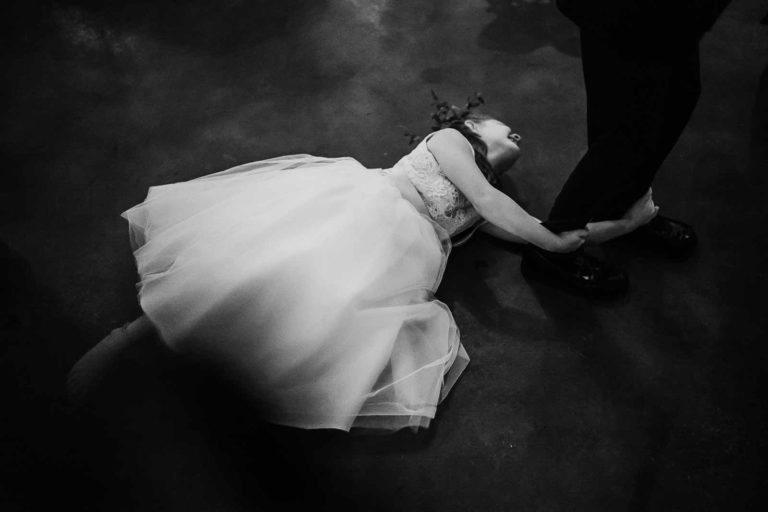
[94, 365]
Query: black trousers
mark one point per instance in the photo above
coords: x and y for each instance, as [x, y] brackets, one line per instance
[639, 100]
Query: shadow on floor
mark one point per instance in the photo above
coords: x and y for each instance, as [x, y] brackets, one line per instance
[40, 435]
[165, 434]
[521, 27]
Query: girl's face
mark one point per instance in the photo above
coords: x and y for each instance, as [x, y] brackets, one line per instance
[503, 144]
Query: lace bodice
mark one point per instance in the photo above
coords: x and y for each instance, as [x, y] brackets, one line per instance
[445, 203]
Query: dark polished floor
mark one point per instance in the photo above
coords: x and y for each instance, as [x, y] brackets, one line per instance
[646, 403]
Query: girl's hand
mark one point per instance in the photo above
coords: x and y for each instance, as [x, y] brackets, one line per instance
[568, 241]
[642, 211]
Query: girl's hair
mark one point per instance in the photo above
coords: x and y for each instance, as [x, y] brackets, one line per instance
[481, 149]
[446, 115]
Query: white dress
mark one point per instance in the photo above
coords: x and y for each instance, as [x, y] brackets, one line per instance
[309, 281]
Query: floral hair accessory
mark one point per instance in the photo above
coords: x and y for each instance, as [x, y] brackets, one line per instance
[445, 114]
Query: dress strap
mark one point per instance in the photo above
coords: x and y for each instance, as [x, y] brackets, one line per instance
[468, 143]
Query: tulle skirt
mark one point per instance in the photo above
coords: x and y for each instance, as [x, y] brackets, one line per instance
[309, 282]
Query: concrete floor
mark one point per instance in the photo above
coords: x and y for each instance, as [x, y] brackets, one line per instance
[647, 403]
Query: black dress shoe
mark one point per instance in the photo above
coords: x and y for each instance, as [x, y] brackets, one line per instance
[577, 271]
[672, 236]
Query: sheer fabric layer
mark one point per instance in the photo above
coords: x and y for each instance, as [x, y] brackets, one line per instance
[309, 282]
